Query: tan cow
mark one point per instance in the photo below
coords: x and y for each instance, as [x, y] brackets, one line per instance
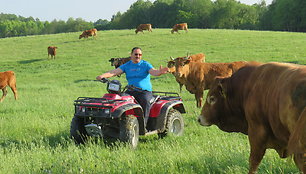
[52, 51]
[177, 27]
[87, 33]
[199, 76]
[8, 78]
[200, 57]
[266, 102]
[142, 27]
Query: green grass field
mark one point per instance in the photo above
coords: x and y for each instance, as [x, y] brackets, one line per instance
[34, 131]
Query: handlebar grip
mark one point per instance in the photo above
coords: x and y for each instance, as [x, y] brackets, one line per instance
[104, 80]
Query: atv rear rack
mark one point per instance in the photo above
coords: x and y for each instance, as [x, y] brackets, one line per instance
[167, 95]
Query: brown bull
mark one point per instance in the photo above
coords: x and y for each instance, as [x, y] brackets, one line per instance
[8, 78]
[87, 33]
[142, 27]
[200, 57]
[52, 51]
[266, 102]
[198, 77]
[177, 27]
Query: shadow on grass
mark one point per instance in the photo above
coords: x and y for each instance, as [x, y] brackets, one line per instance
[84, 80]
[30, 61]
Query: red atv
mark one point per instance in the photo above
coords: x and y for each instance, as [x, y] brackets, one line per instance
[118, 115]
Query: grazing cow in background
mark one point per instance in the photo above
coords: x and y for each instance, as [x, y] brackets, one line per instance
[199, 76]
[177, 27]
[266, 102]
[119, 61]
[52, 51]
[8, 78]
[142, 27]
[200, 57]
[92, 32]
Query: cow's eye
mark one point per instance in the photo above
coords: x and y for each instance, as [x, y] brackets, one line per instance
[211, 100]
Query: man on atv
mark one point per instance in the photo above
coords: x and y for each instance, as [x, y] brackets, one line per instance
[138, 73]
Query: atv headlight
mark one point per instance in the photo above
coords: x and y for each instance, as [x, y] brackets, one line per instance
[83, 109]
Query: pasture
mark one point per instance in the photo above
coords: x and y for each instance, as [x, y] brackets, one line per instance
[34, 131]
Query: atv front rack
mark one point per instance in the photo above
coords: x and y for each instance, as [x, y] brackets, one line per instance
[94, 107]
[87, 101]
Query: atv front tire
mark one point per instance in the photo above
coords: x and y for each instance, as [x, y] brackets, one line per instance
[174, 124]
[129, 130]
[77, 131]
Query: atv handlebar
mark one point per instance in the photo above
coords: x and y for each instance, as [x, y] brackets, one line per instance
[104, 80]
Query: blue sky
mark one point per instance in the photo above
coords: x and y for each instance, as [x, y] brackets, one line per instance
[92, 10]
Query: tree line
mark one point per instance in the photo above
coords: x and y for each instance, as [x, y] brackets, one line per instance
[281, 15]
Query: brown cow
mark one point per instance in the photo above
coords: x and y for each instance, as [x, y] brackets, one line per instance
[52, 51]
[199, 76]
[200, 57]
[177, 27]
[266, 102]
[142, 27]
[8, 78]
[92, 32]
[119, 61]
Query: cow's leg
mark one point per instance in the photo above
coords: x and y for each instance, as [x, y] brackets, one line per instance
[14, 89]
[181, 85]
[257, 139]
[4, 90]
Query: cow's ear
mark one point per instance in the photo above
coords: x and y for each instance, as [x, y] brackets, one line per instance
[221, 87]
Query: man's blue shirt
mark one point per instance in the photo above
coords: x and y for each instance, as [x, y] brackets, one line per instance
[137, 74]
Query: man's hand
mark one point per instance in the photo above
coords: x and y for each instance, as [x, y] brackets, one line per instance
[163, 70]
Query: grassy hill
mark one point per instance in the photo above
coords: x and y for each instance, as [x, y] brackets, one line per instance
[34, 131]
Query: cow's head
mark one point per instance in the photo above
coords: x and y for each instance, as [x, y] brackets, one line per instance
[112, 61]
[222, 108]
[214, 104]
[117, 62]
[181, 66]
[171, 65]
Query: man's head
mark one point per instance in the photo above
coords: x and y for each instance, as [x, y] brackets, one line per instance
[136, 54]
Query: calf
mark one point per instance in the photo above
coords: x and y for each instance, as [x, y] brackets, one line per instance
[52, 51]
[266, 102]
[8, 78]
[199, 76]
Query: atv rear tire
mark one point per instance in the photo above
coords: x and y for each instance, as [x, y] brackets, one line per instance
[77, 131]
[129, 130]
[174, 124]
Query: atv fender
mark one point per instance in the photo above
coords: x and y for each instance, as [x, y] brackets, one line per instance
[131, 109]
[161, 119]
